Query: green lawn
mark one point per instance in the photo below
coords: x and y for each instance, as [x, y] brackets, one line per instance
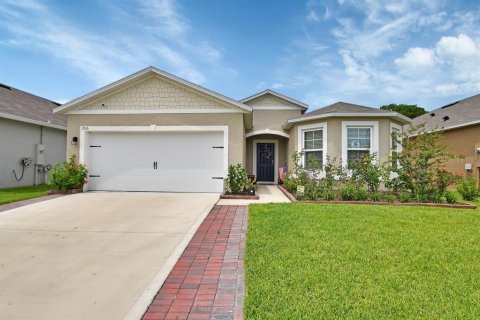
[308, 261]
[9, 195]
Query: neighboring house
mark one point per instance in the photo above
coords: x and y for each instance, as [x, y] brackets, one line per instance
[460, 124]
[153, 131]
[30, 130]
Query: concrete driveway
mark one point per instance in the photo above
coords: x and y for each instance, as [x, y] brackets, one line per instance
[93, 255]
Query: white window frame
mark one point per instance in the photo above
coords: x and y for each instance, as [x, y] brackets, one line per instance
[374, 137]
[312, 127]
[393, 127]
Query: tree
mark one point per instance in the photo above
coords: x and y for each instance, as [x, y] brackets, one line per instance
[408, 110]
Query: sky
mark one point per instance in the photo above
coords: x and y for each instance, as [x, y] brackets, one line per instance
[369, 52]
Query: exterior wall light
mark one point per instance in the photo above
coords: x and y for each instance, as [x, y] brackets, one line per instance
[74, 140]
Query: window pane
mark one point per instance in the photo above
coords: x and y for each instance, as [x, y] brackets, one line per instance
[318, 155]
[353, 143]
[318, 134]
[308, 145]
[354, 156]
[364, 132]
[352, 133]
[318, 144]
[309, 135]
[364, 143]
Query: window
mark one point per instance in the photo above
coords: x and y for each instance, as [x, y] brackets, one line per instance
[394, 145]
[313, 146]
[358, 144]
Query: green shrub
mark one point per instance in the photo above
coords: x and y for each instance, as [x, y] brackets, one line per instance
[69, 175]
[405, 197]
[328, 195]
[468, 189]
[348, 192]
[236, 179]
[451, 197]
[368, 172]
[376, 196]
[361, 195]
[419, 166]
[290, 184]
[311, 190]
[390, 198]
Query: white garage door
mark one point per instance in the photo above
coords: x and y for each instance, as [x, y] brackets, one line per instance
[171, 162]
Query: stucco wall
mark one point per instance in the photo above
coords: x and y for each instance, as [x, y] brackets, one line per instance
[17, 140]
[463, 141]
[234, 121]
[268, 100]
[272, 119]
[282, 150]
[334, 134]
[155, 94]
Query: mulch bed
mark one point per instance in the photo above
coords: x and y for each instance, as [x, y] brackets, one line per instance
[384, 203]
[244, 196]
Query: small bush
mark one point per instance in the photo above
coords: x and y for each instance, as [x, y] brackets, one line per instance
[390, 198]
[290, 184]
[236, 179]
[451, 197]
[468, 189]
[348, 192]
[406, 197]
[328, 195]
[70, 175]
[361, 195]
[375, 196]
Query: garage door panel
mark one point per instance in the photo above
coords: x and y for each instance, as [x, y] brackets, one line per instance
[186, 162]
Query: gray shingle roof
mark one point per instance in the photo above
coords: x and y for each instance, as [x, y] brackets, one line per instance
[454, 114]
[15, 104]
[343, 107]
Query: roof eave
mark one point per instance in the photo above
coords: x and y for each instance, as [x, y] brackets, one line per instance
[63, 109]
[32, 121]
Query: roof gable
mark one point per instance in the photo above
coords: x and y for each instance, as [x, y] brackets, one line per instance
[270, 98]
[22, 106]
[151, 91]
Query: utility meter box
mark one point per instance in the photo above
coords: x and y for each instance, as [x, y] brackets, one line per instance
[40, 154]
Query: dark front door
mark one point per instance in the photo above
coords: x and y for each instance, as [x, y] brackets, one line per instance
[266, 162]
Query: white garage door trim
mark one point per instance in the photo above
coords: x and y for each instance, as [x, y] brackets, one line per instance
[86, 130]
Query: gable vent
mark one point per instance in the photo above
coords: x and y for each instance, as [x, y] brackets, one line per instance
[446, 118]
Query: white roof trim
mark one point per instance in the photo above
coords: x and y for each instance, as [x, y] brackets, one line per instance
[31, 121]
[458, 126]
[72, 104]
[267, 131]
[278, 95]
[396, 115]
[155, 111]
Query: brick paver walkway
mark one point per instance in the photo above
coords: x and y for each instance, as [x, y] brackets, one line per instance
[18, 204]
[208, 281]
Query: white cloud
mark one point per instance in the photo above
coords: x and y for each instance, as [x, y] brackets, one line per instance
[161, 32]
[312, 16]
[461, 46]
[417, 57]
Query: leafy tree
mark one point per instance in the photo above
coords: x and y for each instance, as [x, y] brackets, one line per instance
[420, 165]
[408, 110]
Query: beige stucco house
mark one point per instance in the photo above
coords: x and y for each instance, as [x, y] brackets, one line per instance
[153, 131]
